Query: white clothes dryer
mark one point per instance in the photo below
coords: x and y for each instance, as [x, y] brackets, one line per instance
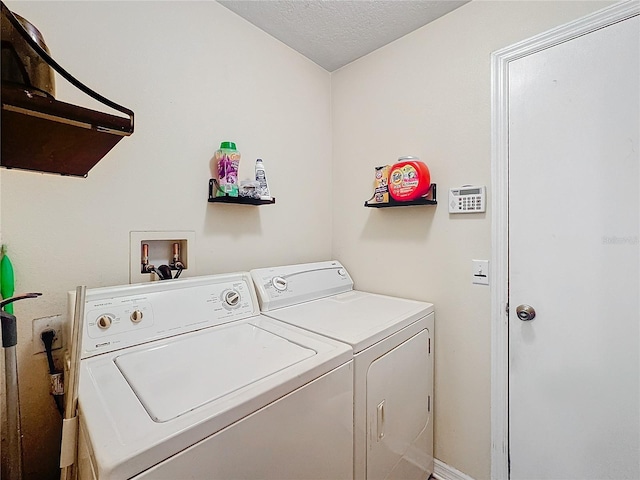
[184, 379]
[392, 341]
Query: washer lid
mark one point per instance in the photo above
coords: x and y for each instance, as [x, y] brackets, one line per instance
[126, 440]
[178, 376]
[360, 319]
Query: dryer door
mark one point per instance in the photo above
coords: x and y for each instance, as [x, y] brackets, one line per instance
[398, 411]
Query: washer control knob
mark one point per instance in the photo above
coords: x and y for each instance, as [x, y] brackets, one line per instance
[232, 298]
[136, 316]
[279, 283]
[104, 322]
[342, 272]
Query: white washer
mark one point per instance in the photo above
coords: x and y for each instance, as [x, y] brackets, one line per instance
[392, 341]
[185, 379]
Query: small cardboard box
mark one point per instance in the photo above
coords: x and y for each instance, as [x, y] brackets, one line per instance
[381, 185]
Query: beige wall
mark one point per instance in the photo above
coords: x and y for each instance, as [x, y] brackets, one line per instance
[428, 94]
[195, 74]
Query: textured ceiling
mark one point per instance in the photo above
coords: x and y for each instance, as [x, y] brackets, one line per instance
[333, 33]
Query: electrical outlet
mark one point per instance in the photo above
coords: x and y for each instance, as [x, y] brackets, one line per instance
[42, 325]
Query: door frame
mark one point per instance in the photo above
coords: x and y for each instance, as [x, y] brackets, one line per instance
[500, 210]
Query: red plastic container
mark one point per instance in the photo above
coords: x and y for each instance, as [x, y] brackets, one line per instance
[409, 180]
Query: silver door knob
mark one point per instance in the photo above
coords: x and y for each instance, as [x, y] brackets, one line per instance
[525, 312]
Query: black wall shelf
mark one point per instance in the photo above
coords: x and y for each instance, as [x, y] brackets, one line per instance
[430, 199]
[213, 186]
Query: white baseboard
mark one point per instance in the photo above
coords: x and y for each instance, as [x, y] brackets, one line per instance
[442, 471]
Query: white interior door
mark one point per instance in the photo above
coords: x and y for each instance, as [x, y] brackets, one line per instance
[574, 257]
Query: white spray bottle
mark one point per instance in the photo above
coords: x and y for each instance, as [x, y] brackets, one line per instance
[261, 178]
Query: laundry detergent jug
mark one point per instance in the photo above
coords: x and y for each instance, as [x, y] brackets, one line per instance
[409, 179]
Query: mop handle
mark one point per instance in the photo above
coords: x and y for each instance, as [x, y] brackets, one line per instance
[9, 327]
[18, 297]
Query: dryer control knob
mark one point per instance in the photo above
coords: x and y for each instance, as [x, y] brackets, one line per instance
[136, 316]
[104, 322]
